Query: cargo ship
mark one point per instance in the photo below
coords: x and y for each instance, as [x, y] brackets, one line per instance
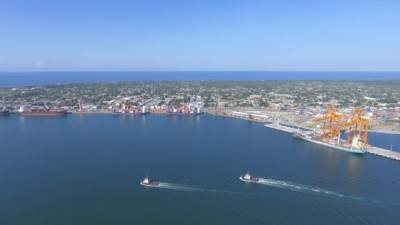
[42, 112]
[332, 124]
[355, 147]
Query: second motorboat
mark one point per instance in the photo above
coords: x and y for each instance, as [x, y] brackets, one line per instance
[248, 178]
[149, 183]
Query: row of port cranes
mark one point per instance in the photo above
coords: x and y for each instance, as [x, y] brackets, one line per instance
[332, 124]
[151, 106]
[192, 107]
[130, 108]
[123, 107]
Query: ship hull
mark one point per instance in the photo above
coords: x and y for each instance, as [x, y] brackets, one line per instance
[336, 147]
[153, 184]
[252, 180]
[49, 114]
[124, 114]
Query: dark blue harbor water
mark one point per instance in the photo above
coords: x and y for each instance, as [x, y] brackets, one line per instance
[86, 169]
[387, 141]
[10, 79]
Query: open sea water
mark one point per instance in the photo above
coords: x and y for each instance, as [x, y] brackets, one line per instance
[85, 170]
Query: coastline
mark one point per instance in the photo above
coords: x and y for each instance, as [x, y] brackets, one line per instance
[214, 112]
[224, 114]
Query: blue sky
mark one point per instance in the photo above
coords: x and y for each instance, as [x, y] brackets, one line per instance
[65, 35]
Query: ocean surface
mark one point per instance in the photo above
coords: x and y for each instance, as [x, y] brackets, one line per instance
[85, 170]
[11, 79]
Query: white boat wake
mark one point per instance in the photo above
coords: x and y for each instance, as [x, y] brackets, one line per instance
[271, 183]
[188, 188]
[298, 187]
[313, 190]
[180, 187]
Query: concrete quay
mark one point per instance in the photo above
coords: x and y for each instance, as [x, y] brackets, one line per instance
[389, 154]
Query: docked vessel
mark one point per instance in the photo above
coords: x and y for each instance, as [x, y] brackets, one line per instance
[146, 182]
[248, 178]
[355, 147]
[298, 135]
[119, 112]
[332, 124]
[42, 112]
[144, 111]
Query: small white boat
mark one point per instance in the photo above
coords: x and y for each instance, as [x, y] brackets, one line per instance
[149, 183]
[248, 178]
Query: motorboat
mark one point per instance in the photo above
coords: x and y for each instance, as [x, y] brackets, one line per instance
[247, 177]
[149, 183]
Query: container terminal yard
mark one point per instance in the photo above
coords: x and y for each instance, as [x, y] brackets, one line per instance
[328, 128]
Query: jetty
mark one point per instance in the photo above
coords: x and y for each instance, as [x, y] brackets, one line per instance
[386, 153]
[278, 126]
[390, 154]
[286, 128]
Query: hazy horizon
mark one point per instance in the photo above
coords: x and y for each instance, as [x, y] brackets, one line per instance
[47, 78]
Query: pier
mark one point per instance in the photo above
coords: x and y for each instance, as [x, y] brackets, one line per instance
[384, 153]
[277, 126]
[389, 154]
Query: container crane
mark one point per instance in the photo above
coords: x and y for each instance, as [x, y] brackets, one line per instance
[331, 124]
[357, 126]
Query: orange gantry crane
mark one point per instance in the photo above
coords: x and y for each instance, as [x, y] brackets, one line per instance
[357, 126]
[331, 123]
